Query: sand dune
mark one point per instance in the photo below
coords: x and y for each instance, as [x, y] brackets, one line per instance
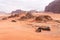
[21, 30]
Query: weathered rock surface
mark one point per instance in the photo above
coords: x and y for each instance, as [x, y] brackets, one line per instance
[53, 7]
[43, 18]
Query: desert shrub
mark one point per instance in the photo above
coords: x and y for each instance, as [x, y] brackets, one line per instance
[13, 21]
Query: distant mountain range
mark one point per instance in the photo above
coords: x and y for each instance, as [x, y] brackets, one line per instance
[1, 12]
[22, 11]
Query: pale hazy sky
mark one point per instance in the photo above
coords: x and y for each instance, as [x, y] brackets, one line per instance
[10, 5]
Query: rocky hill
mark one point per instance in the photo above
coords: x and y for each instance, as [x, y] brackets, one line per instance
[53, 7]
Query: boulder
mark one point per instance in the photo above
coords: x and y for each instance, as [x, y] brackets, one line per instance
[13, 21]
[44, 28]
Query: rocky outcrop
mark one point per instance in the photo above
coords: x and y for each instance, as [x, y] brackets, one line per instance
[27, 16]
[43, 18]
[53, 7]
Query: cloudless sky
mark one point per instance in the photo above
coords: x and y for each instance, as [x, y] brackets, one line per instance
[11, 5]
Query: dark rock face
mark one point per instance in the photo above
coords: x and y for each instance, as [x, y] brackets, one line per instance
[45, 28]
[53, 7]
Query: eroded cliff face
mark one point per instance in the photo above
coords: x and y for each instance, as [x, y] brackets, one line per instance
[53, 7]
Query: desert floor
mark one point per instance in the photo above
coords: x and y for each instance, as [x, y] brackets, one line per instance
[20, 30]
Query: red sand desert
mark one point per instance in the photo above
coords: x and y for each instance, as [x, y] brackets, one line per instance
[23, 30]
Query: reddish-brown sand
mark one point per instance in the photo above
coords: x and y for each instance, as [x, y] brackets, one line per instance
[20, 30]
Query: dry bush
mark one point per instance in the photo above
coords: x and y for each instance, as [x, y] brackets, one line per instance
[13, 21]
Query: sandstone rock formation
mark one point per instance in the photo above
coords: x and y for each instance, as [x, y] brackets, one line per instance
[27, 16]
[53, 7]
[43, 18]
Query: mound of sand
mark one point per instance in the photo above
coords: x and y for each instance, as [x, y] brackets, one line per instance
[14, 29]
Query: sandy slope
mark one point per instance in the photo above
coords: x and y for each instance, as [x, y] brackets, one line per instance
[20, 30]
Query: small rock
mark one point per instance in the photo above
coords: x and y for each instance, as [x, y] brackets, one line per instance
[13, 21]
